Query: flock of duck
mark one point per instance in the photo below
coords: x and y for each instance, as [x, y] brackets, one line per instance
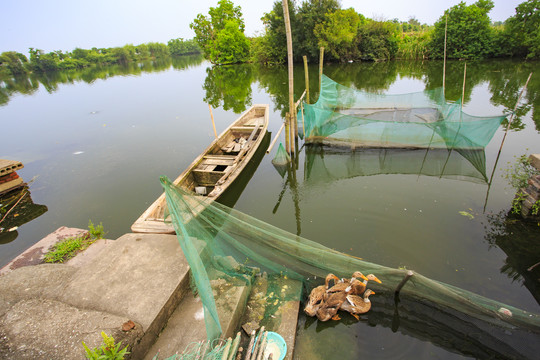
[346, 294]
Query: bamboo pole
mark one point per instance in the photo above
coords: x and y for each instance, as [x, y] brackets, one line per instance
[444, 62]
[321, 61]
[250, 346]
[287, 122]
[292, 114]
[463, 91]
[213, 123]
[276, 137]
[234, 347]
[306, 72]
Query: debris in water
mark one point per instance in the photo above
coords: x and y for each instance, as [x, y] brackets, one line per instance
[78, 152]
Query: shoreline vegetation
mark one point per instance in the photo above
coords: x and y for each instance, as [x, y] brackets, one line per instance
[346, 35]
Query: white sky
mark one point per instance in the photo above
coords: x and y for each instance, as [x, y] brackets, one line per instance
[66, 24]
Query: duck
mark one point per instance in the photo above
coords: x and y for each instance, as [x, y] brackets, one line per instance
[344, 285]
[318, 295]
[329, 308]
[355, 304]
[360, 288]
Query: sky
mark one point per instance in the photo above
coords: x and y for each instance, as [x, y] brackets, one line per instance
[67, 24]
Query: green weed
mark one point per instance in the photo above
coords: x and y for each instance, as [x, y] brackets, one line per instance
[107, 351]
[96, 232]
[68, 248]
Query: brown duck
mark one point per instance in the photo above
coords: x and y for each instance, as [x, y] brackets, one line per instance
[318, 295]
[355, 304]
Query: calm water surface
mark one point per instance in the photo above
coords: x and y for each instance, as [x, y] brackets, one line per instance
[97, 141]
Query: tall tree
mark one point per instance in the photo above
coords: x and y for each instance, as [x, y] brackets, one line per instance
[522, 31]
[470, 35]
[311, 13]
[337, 34]
[221, 34]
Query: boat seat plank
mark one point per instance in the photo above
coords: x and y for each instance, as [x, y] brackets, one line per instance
[207, 178]
[214, 162]
[224, 157]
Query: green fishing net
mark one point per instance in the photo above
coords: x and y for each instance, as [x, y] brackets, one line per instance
[281, 160]
[347, 116]
[223, 245]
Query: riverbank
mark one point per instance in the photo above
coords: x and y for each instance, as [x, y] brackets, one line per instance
[135, 288]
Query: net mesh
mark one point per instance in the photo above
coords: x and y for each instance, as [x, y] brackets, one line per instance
[343, 115]
[223, 244]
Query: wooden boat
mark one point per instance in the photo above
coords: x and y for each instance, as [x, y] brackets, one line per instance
[215, 169]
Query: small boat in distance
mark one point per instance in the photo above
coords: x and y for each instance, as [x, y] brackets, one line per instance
[211, 173]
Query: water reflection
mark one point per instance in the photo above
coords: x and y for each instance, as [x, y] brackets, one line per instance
[28, 84]
[327, 164]
[18, 208]
[229, 86]
[520, 243]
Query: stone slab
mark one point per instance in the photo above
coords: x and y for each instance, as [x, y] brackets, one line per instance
[35, 254]
[142, 277]
[48, 329]
[89, 253]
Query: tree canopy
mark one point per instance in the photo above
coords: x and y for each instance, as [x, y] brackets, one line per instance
[221, 34]
[469, 33]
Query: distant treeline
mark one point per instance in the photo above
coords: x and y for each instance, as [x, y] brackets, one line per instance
[345, 34]
[14, 63]
[349, 36]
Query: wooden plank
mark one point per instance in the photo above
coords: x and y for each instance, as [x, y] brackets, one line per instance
[10, 185]
[214, 162]
[9, 166]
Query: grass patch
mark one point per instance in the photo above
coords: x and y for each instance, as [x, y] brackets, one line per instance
[68, 248]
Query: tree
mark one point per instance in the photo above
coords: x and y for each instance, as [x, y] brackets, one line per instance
[221, 34]
[13, 62]
[470, 35]
[377, 40]
[180, 46]
[338, 34]
[311, 13]
[522, 31]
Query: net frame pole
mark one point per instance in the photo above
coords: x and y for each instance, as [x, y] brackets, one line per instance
[444, 61]
[321, 61]
[306, 74]
[288, 34]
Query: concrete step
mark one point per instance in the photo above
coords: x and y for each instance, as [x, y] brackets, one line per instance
[186, 325]
[139, 276]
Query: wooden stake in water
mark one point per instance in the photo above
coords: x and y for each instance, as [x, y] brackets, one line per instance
[408, 275]
[213, 123]
[321, 61]
[306, 73]
[291, 78]
[444, 61]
